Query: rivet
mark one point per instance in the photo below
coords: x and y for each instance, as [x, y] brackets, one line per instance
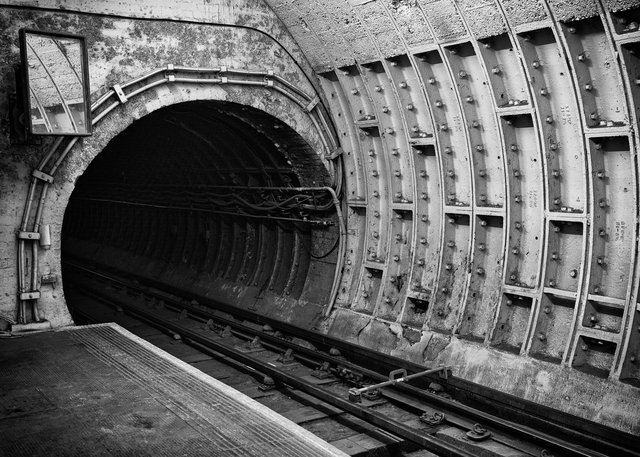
[598, 146]
[482, 247]
[439, 103]
[600, 174]
[554, 256]
[448, 150]
[374, 173]
[424, 218]
[549, 120]
[409, 106]
[592, 318]
[417, 284]
[421, 262]
[600, 260]
[573, 273]
[479, 147]
[483, 198]
[448, 267]
[399, 215]
[508, 302]
[424, 196]
[387, 300]
[593, 116]
[547, 309]
[385, 109]
[480, 271]
[553, 146]
[392, 279]
[557, 201]
[515, 251]
[518, 225]
[395, 151]
[396, 258]
[378, 89]
[514, 147]
[445, 290]
[440, 312]
[544, 92]
[423, 173]
[452, 197]
[398, 237]
[415, 129]
[535, 64]
[376, 214]
[423, 240]
[526, 37]
[469, 99]
[517, 199]
[582, 57]
[452, 220]
[602, 203]
[451, 173]
[475, 124]
[365, 295]
[584, 347]
[602, 232]
[451, 243]
[596, 290]
[462, 74]
[372, 152]
[369, 275]
[495, 70]
[389, 130]
[444, 127]
[396, 173]
[556, 228]
[354, 91]
[571, 30]
[588, 87]
[376, 193]
[432, 80]
[516, 173]
[542, 337]
[555, 173]
[483, 222]
[403, 84]
[398, 196]
[513, 276]
[375, 235]
[482, 173]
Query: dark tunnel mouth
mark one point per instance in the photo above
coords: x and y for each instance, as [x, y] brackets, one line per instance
[200, 191]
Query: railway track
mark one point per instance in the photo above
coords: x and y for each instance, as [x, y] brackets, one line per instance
[323, 375]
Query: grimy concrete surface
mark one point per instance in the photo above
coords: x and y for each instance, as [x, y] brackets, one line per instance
[564, 334]
[100, 390]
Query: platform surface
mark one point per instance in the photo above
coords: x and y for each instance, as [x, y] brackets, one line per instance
[101, 391]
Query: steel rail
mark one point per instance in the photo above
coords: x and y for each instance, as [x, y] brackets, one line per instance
[526, 432]
[432, 443]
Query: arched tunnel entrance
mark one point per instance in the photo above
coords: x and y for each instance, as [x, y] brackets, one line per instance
[212, 198]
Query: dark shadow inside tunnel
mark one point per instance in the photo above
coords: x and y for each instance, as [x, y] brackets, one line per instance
[213, 199]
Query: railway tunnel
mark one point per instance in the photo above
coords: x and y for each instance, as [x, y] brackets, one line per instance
[407, 184]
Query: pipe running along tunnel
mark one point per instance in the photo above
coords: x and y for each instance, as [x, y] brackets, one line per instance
[214, 197]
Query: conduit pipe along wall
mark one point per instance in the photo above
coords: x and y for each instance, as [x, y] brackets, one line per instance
[490, 164]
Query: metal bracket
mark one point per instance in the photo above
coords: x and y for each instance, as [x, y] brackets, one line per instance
[312, 104]
[171, 78]
[119, 93]
[42, 176]
[33, 295]
[28, 236]
[337, 152]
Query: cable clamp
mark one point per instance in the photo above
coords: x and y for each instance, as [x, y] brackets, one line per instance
[33, 295]
[42, 176]
[312, 104]
[119, 93]
[337, 152]
[28, 235]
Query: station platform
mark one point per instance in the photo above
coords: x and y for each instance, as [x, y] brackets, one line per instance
[99, 390]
